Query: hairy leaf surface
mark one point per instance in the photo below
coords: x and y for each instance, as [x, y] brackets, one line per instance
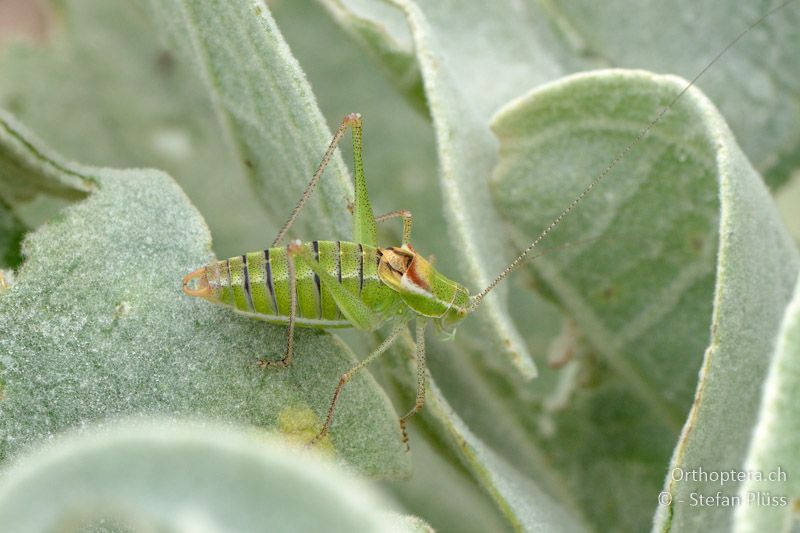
[685, 223]
[159, 475]
[97, 327]
[767, 503]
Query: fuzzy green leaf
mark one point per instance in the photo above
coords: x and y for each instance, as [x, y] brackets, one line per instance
[265, 107]
[381, 28]
[525, 505]
[582, 433]
[465, 506]
[642, 296]
[96, 326]
[401, 170]
[23, 175]
[755, 86]
[460, 103]
[767, 504]
[148, 476]
[141, 105]
[481, 58]
[496, 46]
[399, 144]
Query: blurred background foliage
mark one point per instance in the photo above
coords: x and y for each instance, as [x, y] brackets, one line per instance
[93, 80]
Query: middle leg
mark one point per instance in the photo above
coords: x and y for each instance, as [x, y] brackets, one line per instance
[347, 376]
[421, 371]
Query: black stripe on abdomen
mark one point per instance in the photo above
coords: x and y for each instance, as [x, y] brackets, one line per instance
[268, 281]
[315, 247]
[247, 294]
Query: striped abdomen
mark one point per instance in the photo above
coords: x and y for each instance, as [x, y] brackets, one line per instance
[258, 283]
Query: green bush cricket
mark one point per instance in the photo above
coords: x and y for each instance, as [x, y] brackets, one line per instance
[334, 284]
[338, 284]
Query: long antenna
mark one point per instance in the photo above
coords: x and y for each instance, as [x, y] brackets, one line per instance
[478, 298]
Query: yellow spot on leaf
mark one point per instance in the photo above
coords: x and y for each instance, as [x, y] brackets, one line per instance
[300, 425]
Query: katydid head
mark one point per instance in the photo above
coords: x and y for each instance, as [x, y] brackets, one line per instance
[423, 288]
